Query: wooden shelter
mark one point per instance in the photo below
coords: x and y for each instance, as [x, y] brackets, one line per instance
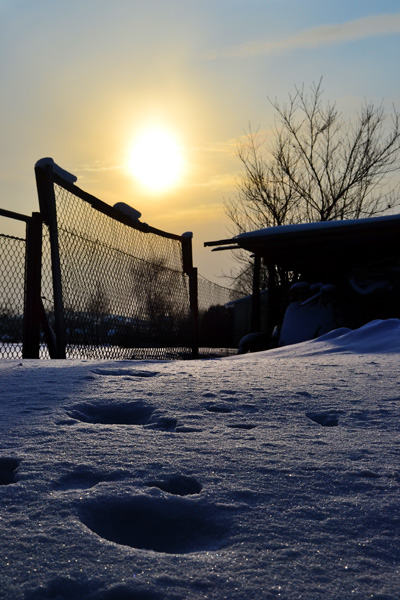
[324, 251]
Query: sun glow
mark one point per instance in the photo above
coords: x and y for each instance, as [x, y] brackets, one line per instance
[155, 160]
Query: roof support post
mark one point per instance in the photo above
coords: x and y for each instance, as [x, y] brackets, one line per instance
[272, 300]
[256, 297]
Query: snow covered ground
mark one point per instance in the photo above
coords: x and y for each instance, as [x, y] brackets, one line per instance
[263, 476]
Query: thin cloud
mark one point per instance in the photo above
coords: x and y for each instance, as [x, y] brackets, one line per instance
[227, 148]
[200, 213]
[216, 182]
[324, 35]
[230, 147]
[98, 167]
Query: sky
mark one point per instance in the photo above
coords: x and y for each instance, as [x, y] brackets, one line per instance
[81, 79]
[224, 478]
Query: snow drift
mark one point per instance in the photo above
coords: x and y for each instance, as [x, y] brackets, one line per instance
[271, 475]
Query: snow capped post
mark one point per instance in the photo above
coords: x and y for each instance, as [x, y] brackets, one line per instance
[44, 162]
[129, 211]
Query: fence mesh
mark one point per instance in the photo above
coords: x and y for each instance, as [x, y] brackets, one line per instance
[12, 276]
[215, 319]
[124, 291]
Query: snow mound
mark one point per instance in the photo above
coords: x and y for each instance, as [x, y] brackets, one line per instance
[376, 337]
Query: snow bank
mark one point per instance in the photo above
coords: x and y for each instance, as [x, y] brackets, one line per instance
[271, 475]
[379, 336]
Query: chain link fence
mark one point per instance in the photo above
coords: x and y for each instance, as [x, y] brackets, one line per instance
[215, 318]
[125, 294]
[12, 274]
[92, 282]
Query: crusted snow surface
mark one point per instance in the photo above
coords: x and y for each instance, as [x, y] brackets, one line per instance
[263, 476]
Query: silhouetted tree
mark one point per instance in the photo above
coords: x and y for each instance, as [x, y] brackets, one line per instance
[317, 168]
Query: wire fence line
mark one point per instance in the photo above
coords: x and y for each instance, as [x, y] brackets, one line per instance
[12, 278]
[216, 321]
[124, 291]
[109, 286]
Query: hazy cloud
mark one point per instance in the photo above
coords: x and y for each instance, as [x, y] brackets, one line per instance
[378, 25]
[98, 167]
[227, 148]
[225, 181]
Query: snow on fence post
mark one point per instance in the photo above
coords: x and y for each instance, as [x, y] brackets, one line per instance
[33, 276]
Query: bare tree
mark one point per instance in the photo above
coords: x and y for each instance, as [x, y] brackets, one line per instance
[318, 167]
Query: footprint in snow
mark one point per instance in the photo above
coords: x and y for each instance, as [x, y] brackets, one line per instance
[8, 467]
[218, 408]
[113, 413]
[84, 477]
[162, 423]
[125, 372]
[65, 588]
[122, 413]
[187, 429]
[250, 408]
[179, 485]
[172, 525]
[324, 418]
[365, 473]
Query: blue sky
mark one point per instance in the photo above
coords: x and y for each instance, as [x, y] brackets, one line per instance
[80, 78]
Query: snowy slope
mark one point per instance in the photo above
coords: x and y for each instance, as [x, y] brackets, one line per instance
[264, 476]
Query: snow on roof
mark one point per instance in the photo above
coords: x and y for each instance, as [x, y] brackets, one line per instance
[284, 230]
[328, 246]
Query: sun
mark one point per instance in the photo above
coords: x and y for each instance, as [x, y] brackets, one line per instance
[155, 159]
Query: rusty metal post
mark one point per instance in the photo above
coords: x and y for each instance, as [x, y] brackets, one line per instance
[191, 271]
[45, 187]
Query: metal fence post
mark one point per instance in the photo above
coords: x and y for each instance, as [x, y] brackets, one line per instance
[32, 300]
[194, 309]
[191, 271]
[45, 187]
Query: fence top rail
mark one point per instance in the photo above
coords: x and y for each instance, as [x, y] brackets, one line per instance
[66, 180]
[116, 214]
[13, 215]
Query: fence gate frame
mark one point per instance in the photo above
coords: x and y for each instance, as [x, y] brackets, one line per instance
[47, 174]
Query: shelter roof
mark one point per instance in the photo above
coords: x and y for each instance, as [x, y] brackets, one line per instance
[327, 245]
